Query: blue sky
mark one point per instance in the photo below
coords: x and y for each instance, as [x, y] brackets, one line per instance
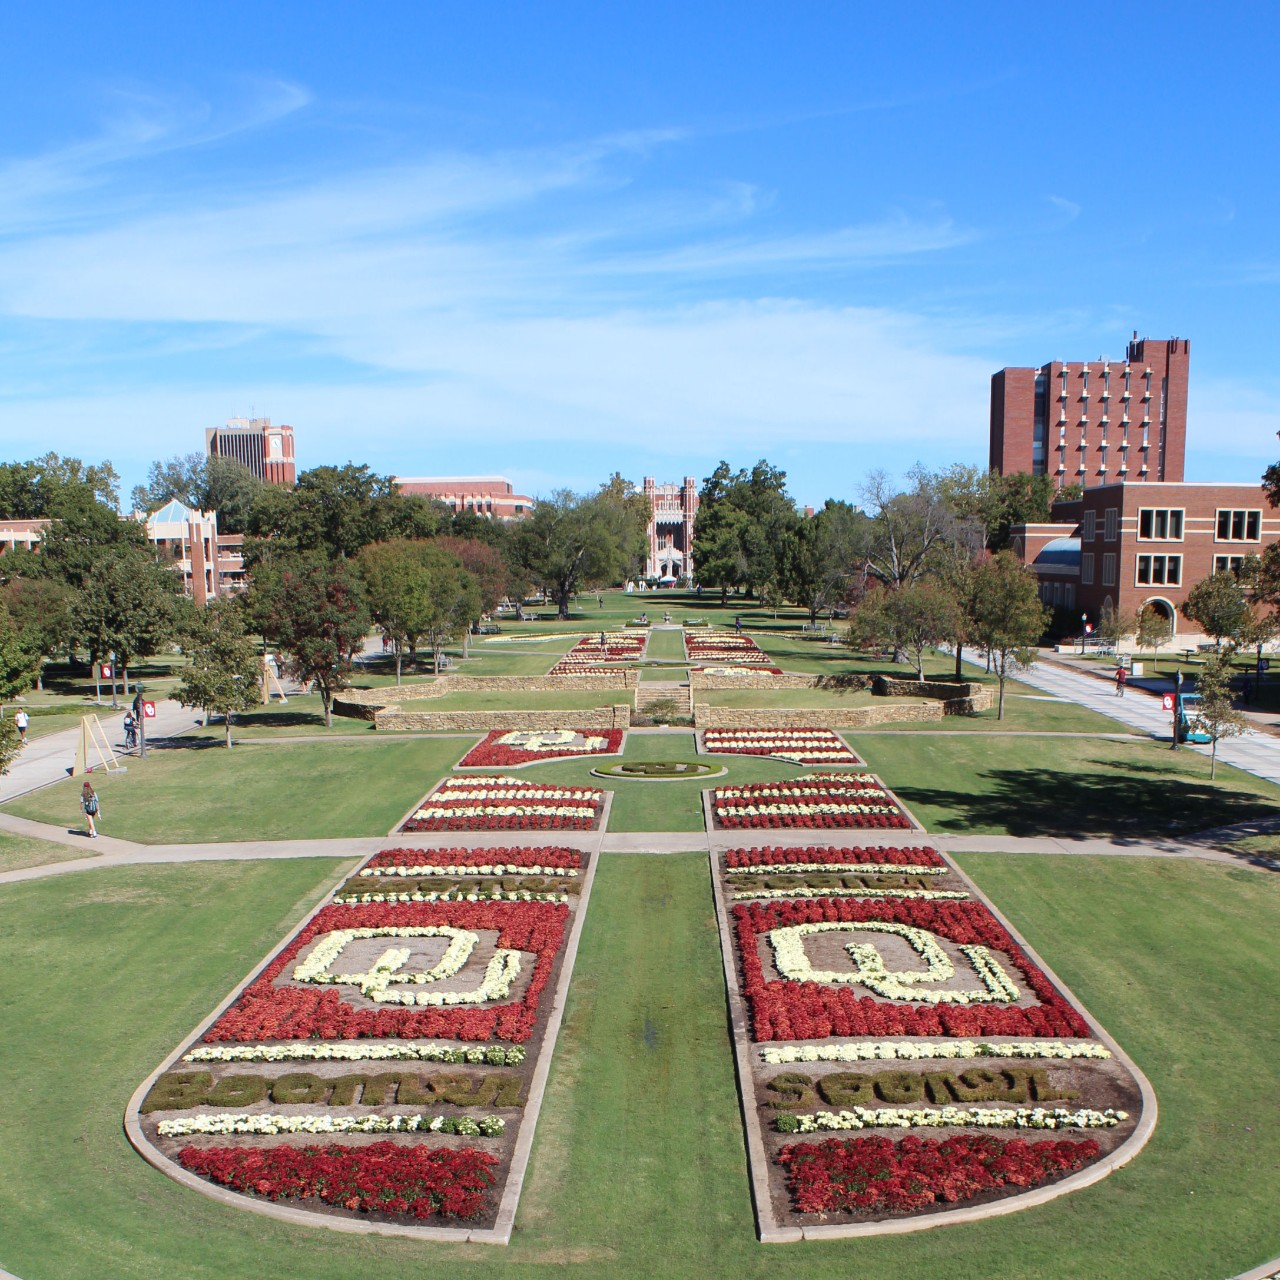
[555, 241]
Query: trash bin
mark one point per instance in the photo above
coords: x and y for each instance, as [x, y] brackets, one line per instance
[1137, 669]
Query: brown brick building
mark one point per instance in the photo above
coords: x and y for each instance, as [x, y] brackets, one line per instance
[1137, 543]
[1095, 423]
[254, 443]
[670, 531]
[493, 497]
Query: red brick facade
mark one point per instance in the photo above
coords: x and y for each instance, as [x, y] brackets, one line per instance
[491, 496]
[1095, 423]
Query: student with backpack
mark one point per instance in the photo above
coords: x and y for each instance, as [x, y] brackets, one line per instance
[89, 803]
[21, 720]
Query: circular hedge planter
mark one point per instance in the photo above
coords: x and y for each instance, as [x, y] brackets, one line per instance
[659, 771]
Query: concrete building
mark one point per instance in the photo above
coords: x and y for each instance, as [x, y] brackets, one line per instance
[493, 497]
[670, 532]
[265, 449]
[211, 564]
[1095, 423]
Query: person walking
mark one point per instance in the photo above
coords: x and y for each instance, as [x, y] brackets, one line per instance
[89, 803]
[21, 719]
[1122, 677]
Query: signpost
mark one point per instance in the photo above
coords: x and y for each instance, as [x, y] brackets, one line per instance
[142, 712]
[1177, 706]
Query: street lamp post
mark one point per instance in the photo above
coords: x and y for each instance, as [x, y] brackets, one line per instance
[1084, 624]
[1177, 705]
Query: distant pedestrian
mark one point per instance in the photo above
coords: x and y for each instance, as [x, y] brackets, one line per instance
[89, 803]
[603, 641]
[737, 623]
[600, 600]
[21, 720]
[1122, 677]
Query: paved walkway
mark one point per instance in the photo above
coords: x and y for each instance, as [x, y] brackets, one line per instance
[1255, 752]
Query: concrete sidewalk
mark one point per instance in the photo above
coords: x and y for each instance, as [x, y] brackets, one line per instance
[51, 758]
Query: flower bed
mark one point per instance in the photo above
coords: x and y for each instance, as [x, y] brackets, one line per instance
[493, 803]
[880, 1174]
[823, 800]
[899, 964]
[811, 858]
[789, 1009]
[715, 648]
[501, 748]
[541, 860]
[385, 1178]
[323, 1044]
[800, 746]
[586, 657]
[750, 669]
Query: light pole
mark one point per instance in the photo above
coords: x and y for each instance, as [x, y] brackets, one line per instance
[1177, 705]
[1084, 622]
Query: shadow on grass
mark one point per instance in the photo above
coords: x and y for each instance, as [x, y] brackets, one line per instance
[1137, 802]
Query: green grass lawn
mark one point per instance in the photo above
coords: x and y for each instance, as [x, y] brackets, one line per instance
[1063, 786]
[661, 806]
[17, 852]
[267, 792]
[666, 646]
[638, 1166]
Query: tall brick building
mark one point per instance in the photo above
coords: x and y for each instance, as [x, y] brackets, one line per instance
[1095, 423]
[266, 450]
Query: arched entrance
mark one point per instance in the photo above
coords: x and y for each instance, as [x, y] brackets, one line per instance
[1166, 610]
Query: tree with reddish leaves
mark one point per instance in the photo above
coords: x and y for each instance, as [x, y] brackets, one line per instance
[318, 617]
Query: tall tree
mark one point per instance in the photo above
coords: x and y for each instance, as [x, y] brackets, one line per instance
[743, 535]
[828, 550]
[38, 489]
[912, 619]
[224, 668]
[17, 675]
[1114, 625]
[126, 607]
[1219, 606]
[909, 526]
[485, 562]
[319, 619]
[571, 542]
[41, 609]
[1007, 615]
[999, 502]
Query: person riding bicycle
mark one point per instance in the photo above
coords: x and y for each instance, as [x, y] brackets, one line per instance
[130, 731]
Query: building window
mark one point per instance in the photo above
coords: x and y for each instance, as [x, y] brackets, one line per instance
[1090, 531]
[1159, 571]
[1158, 524]
[1109, 569]
[1086, 568]
[1112, 524]
[1228, 564]
[1239, 526]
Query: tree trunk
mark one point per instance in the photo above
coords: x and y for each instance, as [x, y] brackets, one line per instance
[399, 660]
[959, 653]
[562, 599]
[1000, 709]
[226, 719]
[1213, 761]
[124, 672]
[326, 701]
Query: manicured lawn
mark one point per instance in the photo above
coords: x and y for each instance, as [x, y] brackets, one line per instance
[17, 852]
[638, 1166]
[661, 806]
[1061, 786]
[268, 792]
[798, 698]
[666, 646]
[1026, 710]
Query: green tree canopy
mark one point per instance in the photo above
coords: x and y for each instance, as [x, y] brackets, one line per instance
[1155, 628]
[1219, 605]
[318, 616]
[911, 619]
[1217, 714]
[204, 483]
[41, 609]
[573, 541]
[828, 550]
[745, 530]
[1007, 617]
[224, 670]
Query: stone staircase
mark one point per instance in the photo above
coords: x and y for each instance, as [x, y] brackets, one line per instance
[649, 692]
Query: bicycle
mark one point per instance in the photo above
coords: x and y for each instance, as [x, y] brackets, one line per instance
[130, 738]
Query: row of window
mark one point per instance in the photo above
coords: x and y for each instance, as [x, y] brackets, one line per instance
[1149, 570]
[1165, 524]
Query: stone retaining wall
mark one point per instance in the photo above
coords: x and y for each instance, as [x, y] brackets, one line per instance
[367, 704]
[616, 717]
[760, 680]
[706, 716]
